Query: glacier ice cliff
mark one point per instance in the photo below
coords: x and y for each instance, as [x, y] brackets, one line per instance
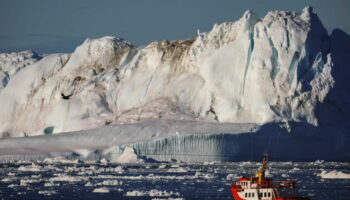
[283, 73]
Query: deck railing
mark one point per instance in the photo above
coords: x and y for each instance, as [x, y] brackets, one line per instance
[266, 184]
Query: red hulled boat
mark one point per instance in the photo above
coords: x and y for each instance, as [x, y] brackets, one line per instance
[259, 187]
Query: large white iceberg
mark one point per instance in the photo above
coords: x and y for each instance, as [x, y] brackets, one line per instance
[277, 76]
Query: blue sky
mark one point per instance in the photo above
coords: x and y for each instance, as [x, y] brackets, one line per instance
[49, 26]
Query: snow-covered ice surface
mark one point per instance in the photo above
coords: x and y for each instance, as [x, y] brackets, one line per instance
[12, 63]
[210, 180]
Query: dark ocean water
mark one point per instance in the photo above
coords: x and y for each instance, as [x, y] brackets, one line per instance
[96, 180]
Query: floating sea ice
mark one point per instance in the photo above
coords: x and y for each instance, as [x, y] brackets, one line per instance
[21, 193]
[30, 168]
[51, 184]
[6, 180]
[110, 182]
[65, 178]
[241, 164]
[104, 161]
[119, 170]
[168, 199]
[152, 193]
[25, 182]
[48, 161]
[101, 190]
[231, 177]
[88, 184]
[319, 162]
[162, 166]
[203, 175]
[129, 156]
[159, 193]
[64, 161]
[136, 193]
[334, 175]
[295, 169]
[286, 163]
[180, 169]
[47, 192]
[210, 163]
[12, 185]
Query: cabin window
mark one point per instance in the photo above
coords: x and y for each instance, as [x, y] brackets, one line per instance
[265, 194]
[252, 194]
[269, 194]
[246, 195]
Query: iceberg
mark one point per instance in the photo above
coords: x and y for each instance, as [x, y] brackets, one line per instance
[276, 84]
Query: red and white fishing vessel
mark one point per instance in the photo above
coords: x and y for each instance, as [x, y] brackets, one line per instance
[259, 187]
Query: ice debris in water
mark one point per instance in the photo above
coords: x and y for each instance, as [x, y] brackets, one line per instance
[203, 175]
[162, 166]
[119, 170]
[101, 190]
[152, 193]
[168, 199]
[12, 185]
[6, 180]
[231, 177]
[30, 168]
[129, 156]
[25, 182]
[110, 182]
[334, 175]
[66, 178]
[319, 162]
[47, 192]
[104, 161]
[179, 169]
[51, 184]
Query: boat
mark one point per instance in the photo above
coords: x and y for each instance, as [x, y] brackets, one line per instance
[259, 187]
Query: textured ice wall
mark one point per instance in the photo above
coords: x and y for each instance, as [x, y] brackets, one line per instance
[191, 148]
[185, 141]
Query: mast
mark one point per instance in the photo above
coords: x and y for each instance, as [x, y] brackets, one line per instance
[261, 171]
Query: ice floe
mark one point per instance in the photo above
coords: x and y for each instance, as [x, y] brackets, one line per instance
[334, 175]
